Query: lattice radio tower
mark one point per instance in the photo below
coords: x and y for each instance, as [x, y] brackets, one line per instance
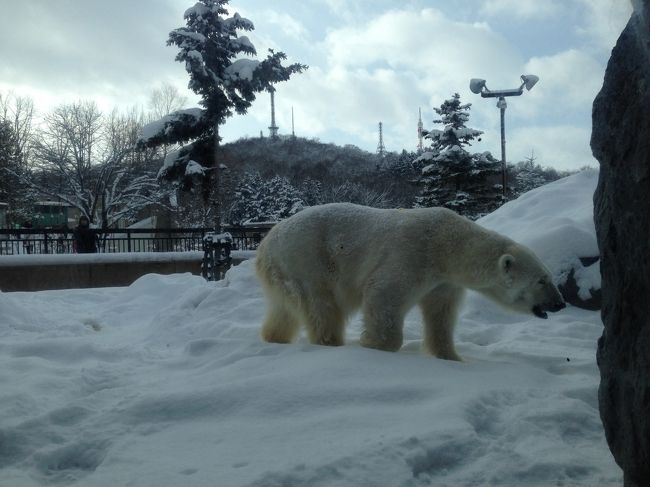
[273, 129]
[381, 149]
[420, 131]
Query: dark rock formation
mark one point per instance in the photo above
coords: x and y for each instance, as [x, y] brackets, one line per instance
[621, 142]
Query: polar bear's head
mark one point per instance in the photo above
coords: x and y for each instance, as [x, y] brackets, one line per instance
[524, 284]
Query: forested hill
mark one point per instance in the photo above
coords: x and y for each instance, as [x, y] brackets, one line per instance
[297, 159]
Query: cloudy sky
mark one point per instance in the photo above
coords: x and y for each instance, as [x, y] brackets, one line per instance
[370, 61]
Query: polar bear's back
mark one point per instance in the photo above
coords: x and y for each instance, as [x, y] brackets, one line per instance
[314, 238]
[335, 231]
[338, 246]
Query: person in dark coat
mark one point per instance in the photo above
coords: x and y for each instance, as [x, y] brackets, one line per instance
[85, 240]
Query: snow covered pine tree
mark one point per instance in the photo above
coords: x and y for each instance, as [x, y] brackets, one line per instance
[210, 46]
[258, 200]
[452, 177]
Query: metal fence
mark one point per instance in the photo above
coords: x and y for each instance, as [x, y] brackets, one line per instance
[39, 241]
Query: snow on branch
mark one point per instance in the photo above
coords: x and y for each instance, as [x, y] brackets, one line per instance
[176, 127]
[237, 22]
[183, 165]
[242, 69]
[193, 168]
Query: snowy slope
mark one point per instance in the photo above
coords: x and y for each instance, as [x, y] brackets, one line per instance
[166, 383]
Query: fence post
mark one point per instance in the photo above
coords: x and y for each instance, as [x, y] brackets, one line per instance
[128, 240]
[45, 240]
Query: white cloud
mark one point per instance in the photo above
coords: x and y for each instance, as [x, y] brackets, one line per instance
[290, 26]
[569, 81]
[524, 9]
[387, 68]
[561, 146]
[349, 10]
[421, 41]
[57, 53]
[604, 21]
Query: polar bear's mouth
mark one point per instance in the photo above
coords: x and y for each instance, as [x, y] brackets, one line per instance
[539, 312]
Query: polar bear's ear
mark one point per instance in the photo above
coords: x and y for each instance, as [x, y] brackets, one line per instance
[506, 262]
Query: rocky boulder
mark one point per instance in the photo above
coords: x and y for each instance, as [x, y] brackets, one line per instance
[621, 143]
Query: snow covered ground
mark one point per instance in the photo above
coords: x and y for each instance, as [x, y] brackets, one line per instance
[166, 383]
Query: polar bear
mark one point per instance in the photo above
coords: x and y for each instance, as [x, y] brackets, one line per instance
[325, 262]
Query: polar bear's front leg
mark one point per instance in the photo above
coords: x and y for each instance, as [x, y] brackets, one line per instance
[440, 312]
[383, 320]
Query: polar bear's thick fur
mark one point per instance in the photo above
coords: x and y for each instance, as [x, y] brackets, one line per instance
[325, 262]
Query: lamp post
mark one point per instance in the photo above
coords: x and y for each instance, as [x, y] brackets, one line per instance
[478, 86]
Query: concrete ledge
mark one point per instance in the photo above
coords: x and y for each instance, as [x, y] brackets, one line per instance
[44, 272]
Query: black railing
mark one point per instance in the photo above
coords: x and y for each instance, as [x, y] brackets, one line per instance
[33, 241]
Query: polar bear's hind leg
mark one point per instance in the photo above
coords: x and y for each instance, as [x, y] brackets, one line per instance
[280, 324]
[324, 318]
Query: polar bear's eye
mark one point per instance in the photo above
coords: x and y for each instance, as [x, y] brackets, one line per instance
[542, 281]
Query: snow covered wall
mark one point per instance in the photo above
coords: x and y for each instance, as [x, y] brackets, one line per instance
[167, 383]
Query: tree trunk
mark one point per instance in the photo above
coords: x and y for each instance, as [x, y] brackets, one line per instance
[214, 183]
[210, 187]
[104, 213]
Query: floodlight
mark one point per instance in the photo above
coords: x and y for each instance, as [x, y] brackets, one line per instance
[476, 85]
[529, 80]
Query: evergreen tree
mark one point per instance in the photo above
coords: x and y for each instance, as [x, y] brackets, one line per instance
[210, 48]
[257, 200]
[403, 165]
[247, 202]
[312, 191]
[528, 175]
[453, 177]
[283, 200]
